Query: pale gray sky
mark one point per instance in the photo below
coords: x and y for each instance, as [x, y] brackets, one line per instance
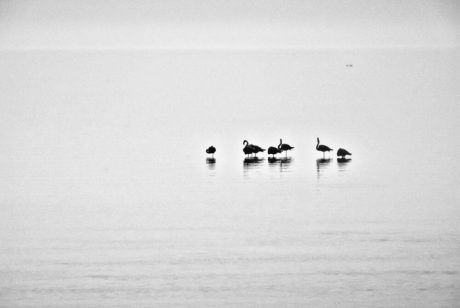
[116, 24]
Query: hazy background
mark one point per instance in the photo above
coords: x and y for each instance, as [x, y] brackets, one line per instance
[107, 107]
[183, 24]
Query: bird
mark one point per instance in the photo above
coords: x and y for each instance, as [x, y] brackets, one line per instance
[272, 151]
[211, 150]
[251, 148]
[284, 146]
[342, 152]
[321, 147]
[248, 148]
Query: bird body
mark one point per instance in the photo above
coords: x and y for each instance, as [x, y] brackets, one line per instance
[248, 148]
[272, 151]
[257, 149]
[211, 150]
[342, 152]
[251, 148]
[284, 146]
[322, 148]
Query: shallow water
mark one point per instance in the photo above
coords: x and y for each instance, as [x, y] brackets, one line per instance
[108, 198]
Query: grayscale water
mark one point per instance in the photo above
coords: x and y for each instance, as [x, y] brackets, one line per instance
[107, 199]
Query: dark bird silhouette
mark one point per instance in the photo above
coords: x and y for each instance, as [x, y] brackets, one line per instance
[322, 148]
[248, 148]
[284, 146]
[272, 151]
[251, 148]
[211, 150]
[342, 152]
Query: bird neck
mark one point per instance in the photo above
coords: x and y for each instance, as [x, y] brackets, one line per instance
[317, 145]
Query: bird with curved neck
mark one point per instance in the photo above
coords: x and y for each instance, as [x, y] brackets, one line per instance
[322, 148]
[284, 146]
[251, 148]
[248, 148]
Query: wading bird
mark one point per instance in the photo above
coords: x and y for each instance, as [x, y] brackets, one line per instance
[272, 151]
[251, 148]
[342, 152]
[322, 148]
[284, 146]
[211, 150]
[248, 148]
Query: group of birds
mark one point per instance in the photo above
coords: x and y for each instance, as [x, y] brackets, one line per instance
[252, 149]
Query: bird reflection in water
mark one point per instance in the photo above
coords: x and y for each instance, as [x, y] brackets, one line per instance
[321, 165]
[252, 163]
[342, 163]
[211, 163]
[283, 163]
[273, 161]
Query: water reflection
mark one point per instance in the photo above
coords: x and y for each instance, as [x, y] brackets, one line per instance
[283, 163]
[342, 163]
[211, 163]
[252, 163]
[321, 165]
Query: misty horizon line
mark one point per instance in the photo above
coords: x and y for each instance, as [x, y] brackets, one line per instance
[227, 48]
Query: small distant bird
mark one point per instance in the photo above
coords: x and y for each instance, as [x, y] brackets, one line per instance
[211, 150]
[342, 152]
[284, 146]
[322, 148]
[272, 151]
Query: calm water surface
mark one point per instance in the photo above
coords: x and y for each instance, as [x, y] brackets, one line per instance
[108, 198]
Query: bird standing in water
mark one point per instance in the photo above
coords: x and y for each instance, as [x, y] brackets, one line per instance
[322, 148]
[211, 150]
[284, 146]
[251, 148]
[272, 151]
[342, 152]
[248, 148]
